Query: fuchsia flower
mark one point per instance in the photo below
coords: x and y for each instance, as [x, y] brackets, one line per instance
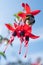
[24, 32]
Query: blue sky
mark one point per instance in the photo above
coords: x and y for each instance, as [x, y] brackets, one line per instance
[7, 9]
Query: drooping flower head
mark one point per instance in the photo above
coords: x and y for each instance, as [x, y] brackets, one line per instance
[23, 32]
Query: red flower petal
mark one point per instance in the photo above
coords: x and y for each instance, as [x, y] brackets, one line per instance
[35, 12]
[27, 28]
[33, 36]
[23, 15]
[9, 27]
[23, 4]
[26, 7]
[28, 10]
[15, 25]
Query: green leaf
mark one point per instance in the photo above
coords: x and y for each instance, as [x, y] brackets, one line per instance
[19, 12]
[16, 15]
[2, 54]
[1, 38]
